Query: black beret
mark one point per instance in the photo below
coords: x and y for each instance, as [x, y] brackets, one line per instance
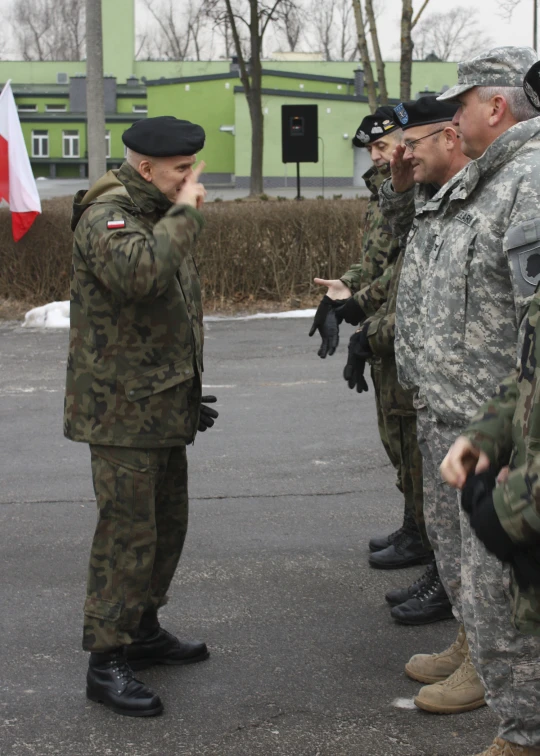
[164, 136]
[375, 126]
[531, 85]
[423, 111]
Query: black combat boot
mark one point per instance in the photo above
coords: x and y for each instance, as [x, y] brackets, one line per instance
[383, 542]
[163, 648]
[431, 604]
[406, 550]
[400, 595]
[110, 681]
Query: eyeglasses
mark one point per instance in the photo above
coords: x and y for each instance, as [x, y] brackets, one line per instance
[411, 145]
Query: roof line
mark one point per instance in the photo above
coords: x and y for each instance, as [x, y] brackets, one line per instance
[315, 95]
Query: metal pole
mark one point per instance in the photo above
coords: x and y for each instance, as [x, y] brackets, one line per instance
[95, 98]
[298, 181]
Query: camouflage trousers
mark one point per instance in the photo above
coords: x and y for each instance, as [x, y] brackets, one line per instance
[142, 501]
[507, 661]
[398, 436]
[441, 504]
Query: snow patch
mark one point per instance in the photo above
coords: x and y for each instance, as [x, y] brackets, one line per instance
[56, 315]
[405, 703]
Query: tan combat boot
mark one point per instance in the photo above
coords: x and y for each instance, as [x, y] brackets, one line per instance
[462, 691]
[501, 747]
[432, 668]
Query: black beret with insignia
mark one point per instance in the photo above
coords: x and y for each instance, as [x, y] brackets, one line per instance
[164, 136]
[531, 85]
[375, 126]
[424, 111]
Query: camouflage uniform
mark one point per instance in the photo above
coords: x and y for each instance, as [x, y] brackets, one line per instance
[369, 282]
[396, 402]
[506, 428]
[133, 391]
[462, 296]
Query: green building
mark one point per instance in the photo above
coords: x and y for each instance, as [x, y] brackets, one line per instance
[51, 99]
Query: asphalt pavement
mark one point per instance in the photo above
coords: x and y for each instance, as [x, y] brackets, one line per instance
[286, 490]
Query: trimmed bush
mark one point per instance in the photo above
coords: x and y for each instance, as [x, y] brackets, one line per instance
[248, 251]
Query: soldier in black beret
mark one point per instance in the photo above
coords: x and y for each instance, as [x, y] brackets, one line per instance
[133, 393]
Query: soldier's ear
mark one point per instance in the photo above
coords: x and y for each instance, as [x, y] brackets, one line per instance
[146, 170]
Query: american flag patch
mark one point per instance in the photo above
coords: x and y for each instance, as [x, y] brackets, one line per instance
[116, 224]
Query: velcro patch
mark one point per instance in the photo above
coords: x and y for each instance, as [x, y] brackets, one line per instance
[116, 224]
[466, 218]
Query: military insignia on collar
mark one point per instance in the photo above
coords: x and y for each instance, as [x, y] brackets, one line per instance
[362, 136]
[401, 114]
[116, 224]
[531, 94]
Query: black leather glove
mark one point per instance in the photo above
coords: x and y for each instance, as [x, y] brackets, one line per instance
[207, 415]
[477, 502]
[350, 311]
[526, 564]
[359, 351]
[327, 324]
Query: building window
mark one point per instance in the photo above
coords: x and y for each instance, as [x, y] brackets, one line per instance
[55, 108]
[140, 108]
[40, 144]
[108, 144]
[27, 108]
[70, 143]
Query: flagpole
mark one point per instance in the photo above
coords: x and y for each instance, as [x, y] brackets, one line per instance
[6, 85]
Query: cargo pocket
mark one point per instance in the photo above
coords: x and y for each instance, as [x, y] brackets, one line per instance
[159, 379]
[108, 611]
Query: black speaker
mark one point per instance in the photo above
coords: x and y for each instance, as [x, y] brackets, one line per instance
[299, 134]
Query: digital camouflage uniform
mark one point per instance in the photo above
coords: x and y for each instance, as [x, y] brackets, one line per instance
[133, 391]
[461, 299]
[369, 281]
[396, 402]
[507, 428]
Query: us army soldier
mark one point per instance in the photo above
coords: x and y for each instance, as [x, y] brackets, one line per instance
[357, 295]
[133, 392]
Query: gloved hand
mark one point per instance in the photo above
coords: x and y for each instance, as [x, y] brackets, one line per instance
[526, 564]
[359, 351]
[207, 415]
[477, 502]
[326, 323]
[350, 311]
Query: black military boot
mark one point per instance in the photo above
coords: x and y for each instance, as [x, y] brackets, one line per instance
[400, 595]
[163, 648]
[383, 542]
[406, 550]
[431, 604]
[110, 681]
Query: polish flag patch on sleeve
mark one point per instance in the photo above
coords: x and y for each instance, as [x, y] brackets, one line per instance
[116, 224]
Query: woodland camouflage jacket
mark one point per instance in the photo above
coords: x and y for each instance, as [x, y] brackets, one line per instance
[136, 335]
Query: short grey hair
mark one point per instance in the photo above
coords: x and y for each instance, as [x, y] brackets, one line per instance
[135, 158]
[516, 99]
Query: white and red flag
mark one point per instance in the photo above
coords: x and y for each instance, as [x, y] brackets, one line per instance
[17, 184]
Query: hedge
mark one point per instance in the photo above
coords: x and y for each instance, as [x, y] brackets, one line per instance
[249, 250]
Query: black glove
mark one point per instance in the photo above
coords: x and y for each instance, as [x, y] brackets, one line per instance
[207, 414]
[327, 324]
[359, 351]
[350, 311]
[477, 502]
[526, 564]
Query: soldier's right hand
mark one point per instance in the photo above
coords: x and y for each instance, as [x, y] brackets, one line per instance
[462, 460]
[402, 170]
[326, 323]
[192, 192]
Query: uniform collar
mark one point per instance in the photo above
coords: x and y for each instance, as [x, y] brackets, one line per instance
[375, 176]
[144, 194]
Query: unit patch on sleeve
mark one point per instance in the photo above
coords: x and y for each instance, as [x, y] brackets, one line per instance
[116, 224]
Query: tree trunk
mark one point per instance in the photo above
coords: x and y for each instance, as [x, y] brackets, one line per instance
[406, 51]
[95, 99]
[255, 103]
[381, 76]
[364, 55]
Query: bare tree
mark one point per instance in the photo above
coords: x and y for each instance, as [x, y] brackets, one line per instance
[370, 15]
[179, 30]
[454, 35]
[408, 22]
[322, 26]
[255, 16]
[95, 100]
[507, 8]
[290, 23]
[364, 54]
[49, 29]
